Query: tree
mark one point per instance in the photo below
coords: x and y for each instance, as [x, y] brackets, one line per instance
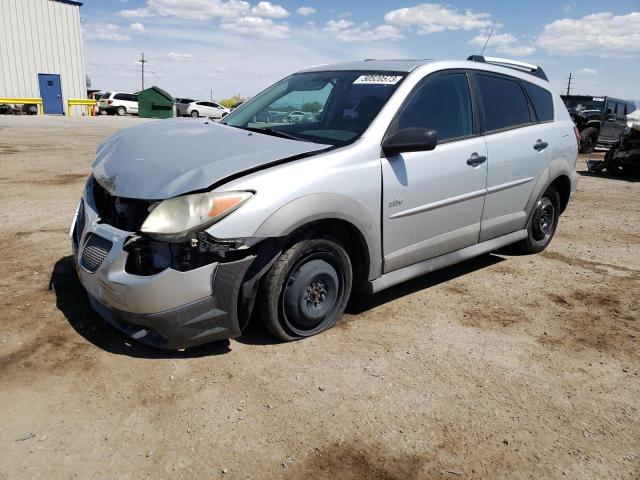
[231, 101]
[313, 107]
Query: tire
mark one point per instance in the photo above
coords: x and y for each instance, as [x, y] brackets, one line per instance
[307, 288]
[542, 223]
[195, 114]
[588, 139]
[121, 111]
[224, 115]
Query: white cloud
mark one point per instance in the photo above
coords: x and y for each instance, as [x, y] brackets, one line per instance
[179, 57]
[189, 9]
[602, 34]
[496, 39]
[104, 31]
[503, 43]
[304, 11]
[256, 27]
[432, 17]
[587, 71]
[223, 72]
[269, 10]
[347, 31]
[137, 27]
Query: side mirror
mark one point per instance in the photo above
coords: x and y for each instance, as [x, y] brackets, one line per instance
[410, 140]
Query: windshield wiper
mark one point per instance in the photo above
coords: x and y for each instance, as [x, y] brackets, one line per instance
[275, 133]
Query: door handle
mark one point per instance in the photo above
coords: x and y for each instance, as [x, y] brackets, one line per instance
[476, 160]
[540, 145]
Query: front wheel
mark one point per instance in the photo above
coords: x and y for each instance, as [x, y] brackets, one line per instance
[307, 288]
[194, 113]
[121, 111]
[542, 224]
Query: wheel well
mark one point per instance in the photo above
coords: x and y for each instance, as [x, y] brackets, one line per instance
[349, 237]
[563, 185]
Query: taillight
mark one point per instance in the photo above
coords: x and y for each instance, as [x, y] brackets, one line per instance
[110, 102]
[577, 132]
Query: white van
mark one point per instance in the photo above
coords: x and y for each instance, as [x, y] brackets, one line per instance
[119, 103]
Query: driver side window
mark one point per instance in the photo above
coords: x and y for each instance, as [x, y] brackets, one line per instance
[442, 103]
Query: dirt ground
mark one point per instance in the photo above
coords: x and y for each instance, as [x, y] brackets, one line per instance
[501, 367]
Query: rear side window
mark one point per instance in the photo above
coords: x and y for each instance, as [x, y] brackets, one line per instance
[442, 103]
[504, 103]
[105, 96]
[119, 96]
[542, 101]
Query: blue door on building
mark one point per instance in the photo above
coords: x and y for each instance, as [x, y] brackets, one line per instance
[51, 93]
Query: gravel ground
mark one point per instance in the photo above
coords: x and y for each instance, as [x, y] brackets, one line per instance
[501, 367]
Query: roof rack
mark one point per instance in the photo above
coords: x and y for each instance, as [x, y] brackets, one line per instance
[534, 70]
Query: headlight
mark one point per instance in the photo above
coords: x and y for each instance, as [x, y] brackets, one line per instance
[176, 217]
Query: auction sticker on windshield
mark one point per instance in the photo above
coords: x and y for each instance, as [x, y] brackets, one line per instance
[377, 80]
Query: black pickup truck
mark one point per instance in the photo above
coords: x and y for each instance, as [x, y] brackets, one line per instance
[600, 120]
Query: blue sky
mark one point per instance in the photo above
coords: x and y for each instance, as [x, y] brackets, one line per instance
[240, 47]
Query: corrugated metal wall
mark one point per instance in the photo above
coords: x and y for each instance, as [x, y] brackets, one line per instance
[41, 36]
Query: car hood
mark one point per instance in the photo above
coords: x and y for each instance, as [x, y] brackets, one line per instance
[163, 159]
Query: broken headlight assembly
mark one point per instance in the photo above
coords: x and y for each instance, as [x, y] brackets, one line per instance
[175, 219]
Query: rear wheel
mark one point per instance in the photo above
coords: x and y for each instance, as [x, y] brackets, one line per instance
[542, 224]
[307, 288]
[121, 111]
[194, 113]
[588, 139]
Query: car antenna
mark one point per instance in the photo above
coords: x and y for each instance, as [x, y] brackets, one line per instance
[487, 41]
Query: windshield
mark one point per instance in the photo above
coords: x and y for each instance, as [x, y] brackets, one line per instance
[584, 103]
[332, 108]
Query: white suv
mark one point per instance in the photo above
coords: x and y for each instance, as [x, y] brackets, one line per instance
[119, 103]
[207, 109]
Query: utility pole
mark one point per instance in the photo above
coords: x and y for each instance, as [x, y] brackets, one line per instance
[142, 61]
[569, 85]
[211, 95]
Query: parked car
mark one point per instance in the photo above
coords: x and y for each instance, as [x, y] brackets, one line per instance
[181, 106]
[118, 103]
[207, 109]
[600, 120]
[435, 163]
[6, 109]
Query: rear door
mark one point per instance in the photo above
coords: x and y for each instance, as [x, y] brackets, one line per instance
[432, 201]
[518, 150]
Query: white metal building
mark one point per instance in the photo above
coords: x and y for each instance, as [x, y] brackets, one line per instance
[41, 52]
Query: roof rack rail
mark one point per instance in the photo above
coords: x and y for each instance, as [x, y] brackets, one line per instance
[534, 70]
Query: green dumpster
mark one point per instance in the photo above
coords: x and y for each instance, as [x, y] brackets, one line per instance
[155, 103]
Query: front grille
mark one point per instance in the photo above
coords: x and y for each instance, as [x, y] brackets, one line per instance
[123, 213]
[95, 251]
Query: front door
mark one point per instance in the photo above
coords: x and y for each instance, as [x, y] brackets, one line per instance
[432, 201]
[51, 93]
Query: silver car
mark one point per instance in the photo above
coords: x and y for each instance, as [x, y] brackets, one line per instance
[400, 168]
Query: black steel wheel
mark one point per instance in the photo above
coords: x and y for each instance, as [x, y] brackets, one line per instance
[542, 222]
[306, 290]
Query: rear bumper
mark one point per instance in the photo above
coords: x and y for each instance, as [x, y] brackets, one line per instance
[172, 309]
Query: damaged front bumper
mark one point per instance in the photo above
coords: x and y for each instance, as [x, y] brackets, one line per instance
[170, 309]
